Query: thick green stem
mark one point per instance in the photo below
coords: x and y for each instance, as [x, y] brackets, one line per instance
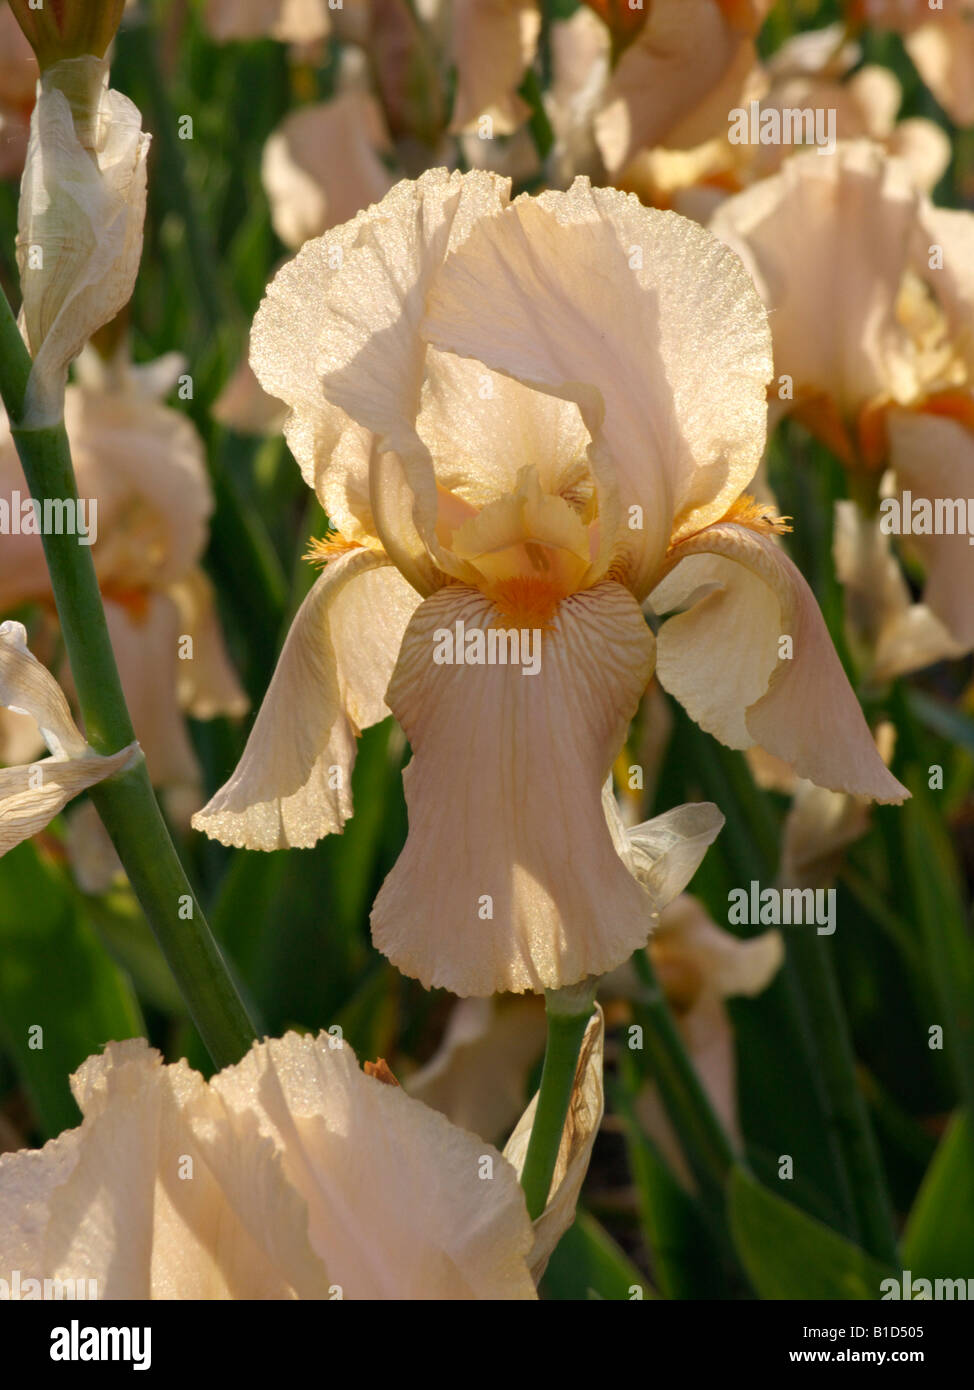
[849, 1115]
[707, 1146]
[125, 802]
[565, 1033]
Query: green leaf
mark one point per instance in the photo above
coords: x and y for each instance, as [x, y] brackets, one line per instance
[939, 1239]
[788, 1254]
[54, 975]
[938, 895]
[686, 1261]
[589, 1264]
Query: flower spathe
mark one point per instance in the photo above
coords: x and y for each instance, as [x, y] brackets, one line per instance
[79, 232]
[521, 416]
[293, 1174]
[32, 795]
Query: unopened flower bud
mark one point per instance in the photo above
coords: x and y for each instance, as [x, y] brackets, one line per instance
[59, 29]
[79, 237]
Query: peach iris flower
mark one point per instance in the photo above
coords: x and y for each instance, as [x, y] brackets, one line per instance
[872, 338]
[144, 466]
[293, 1174]
[530, 416]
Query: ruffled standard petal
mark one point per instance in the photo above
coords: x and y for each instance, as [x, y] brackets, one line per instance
[337, 339]
[725, 660]
[134, 1202]
[834, 308]
[401, 1204]
[680, 410]
[293, 782]
[504, 795]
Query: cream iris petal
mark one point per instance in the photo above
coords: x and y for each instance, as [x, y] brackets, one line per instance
[293, 783]
[723, 660]
[504, 794]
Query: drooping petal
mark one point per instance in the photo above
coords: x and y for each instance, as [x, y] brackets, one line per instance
[478, 1075]
[727, 965]
[397, 1204]
[146, 466]
[890, 633]
[575, 1151]
[933, 459]
[28, 688]
[145, 639]
[208, 684]
[321, 165]
[943, 50]
[289, 21]
[725, 661]
[504, 793]
[293, 783]
[682, 53]
[31, 796]
[492, 43]
[680, 409]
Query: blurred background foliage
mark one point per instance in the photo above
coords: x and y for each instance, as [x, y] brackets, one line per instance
[294, 924]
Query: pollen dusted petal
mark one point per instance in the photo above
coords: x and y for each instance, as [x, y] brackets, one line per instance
[721, 659]
[397, 1206]
[504, 792]
[293, 783]
[286, 1175]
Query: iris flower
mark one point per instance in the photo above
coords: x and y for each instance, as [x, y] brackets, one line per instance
[526, 417]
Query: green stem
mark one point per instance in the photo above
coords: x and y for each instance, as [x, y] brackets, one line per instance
[125, 802]
[565, 1033]
[706, 1144]
[849, 1116]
